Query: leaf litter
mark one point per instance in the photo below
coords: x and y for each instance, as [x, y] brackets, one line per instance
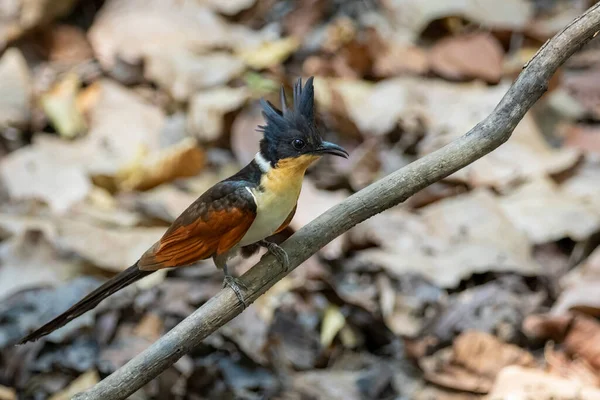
[116, 115]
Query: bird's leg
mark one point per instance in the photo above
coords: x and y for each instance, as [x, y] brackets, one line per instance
[234, 283]
[278, 252]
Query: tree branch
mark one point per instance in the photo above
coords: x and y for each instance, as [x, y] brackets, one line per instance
[381, 195]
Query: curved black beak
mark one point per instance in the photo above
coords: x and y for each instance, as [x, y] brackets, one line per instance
[332, 148]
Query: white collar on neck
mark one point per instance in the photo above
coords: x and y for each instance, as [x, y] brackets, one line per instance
[262, 163]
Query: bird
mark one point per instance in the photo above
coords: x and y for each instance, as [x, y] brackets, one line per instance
[237, 214]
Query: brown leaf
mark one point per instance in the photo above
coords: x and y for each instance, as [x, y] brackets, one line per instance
[584, 87]
[20, 16]
[397, 59]
[15, 90]
[583, 137]
[299, 21]
[475, 361]
[244, 136]
[150, 327]
[518, 383]
[472, 56]
[67, 44]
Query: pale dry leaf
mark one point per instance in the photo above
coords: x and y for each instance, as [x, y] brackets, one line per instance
[183, 73]
[449, 241]
[584, 184]
[452, 110]
[7, 393]
[244, 135]
[413, 16]
[519, 383]
[184, 159]
[150, 327]
[269, 53]
[60, 105]
[332, 324]
[547, 214]
[15, 90]
[113, 249]
[29, 260]
[207, 109]
[132, 30]
[314, 202]
[80, 384]
[230, 7]
[585, 138]
[165, 202]
[471, 56]
[19, 16]
[36, 172]
[331, 385]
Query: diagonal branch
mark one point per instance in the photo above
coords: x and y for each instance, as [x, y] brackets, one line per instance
[387, 192]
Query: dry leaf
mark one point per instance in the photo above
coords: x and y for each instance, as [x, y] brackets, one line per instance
[80, 384]
[207, 109]
[15, 90]
[451, 240]
[547, 214]
[397, 59]
[60, 106]
[135, 29]
[183, 73]
[231, 7]
[474, 362]
[269, 53]
[518, 383]
[7, 393]
[36, 172]
[67, 44]
[472, 56]
[584, 184]
[412, 16]
[584, 138]
[332, 324]
[184, 159]
[19, 16]
[312, 203]
[150, 327]
[244, 136]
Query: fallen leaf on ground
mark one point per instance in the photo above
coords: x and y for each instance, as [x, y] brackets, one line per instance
[583, 184]
[312, 203]
[207, 109]
[450, 240]
[580, 288]
[547, 214]
[184, 159]
[67, 44]
[333, 322]
[519, 383]
[231, 7]
[584, 87]
[583, 137]
[20, 16]
[269, 53]
[80, 384]
[467, 57]
[15, 90]
[397, 59]
[334, 385]
[473, 363]
[412, 16]
[133, 30]
[60, 106]
[7, 393]
[183, 73]
[244, 136]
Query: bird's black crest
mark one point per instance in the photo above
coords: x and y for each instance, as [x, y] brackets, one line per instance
[300, 117]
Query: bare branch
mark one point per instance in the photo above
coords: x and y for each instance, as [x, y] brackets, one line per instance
[387, 192]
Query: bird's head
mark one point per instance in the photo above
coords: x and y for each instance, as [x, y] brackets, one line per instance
[291, 136]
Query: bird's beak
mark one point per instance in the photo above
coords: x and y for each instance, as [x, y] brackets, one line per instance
[332, 148]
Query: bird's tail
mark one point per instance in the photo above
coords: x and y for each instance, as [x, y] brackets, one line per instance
[90, 301]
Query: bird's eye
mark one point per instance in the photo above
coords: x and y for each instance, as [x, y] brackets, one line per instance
[298, 144]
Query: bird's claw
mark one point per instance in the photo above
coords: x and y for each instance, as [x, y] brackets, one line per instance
[279, 254]
[237, 286]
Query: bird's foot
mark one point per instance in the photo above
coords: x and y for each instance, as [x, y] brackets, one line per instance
[278, 252]
[237, 286]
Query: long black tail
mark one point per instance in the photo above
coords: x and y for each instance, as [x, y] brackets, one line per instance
[90, 301]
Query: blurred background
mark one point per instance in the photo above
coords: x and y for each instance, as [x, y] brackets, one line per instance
[115, 115]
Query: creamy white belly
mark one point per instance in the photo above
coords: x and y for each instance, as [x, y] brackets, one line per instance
[272, 209]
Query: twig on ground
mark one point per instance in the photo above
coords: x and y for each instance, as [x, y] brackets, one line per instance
[381, 195]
